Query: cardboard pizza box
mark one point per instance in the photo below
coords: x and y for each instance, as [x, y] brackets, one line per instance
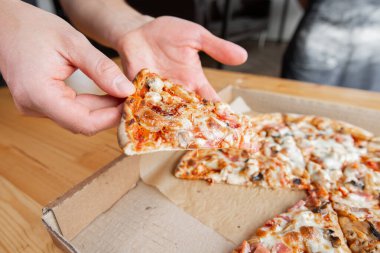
[135, 204]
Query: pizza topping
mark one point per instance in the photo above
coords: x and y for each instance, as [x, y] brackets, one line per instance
[257, 177]
[322, 209]
[281, 248]
[373, 230]
[297, 181]
[308, 232]
[155, 84]
[244, 248]
[153, 97]
[261, 249]
[335, 240]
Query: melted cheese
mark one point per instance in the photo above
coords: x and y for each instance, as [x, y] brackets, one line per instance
[186, 124]
[153, 97]
[222, 109]
[156, 85]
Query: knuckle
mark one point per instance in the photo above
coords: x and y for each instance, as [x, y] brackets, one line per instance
[21, 100]
[74, 39]
[105, 66]
[21, 108]
[74, 42]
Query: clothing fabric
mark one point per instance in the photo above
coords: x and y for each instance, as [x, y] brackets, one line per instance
[337, 43]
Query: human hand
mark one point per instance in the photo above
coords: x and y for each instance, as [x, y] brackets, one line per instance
[170, 46]
[38, 51]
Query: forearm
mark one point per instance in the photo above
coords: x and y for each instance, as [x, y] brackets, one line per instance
[104, 20]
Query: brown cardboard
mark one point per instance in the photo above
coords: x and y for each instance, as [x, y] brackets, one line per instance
[145, 221]
[143, 218]
[106, 214]
[93, 196]
[233, 211]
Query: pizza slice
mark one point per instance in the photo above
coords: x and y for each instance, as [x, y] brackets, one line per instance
[164, 116]
[359, 218]
[361, 176]
[327, 146]
[302, 228]
[277, 164]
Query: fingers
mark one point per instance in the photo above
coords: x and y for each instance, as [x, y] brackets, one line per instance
[103, 71]
[94, 102]
[221, 50]
[84, 114]
[80, 119]
[206, 91]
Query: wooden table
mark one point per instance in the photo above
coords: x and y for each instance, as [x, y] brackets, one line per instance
[40, 161]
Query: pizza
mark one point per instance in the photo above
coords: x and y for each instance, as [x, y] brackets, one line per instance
[359, 218]
[162, 115]
[338, 164]
[302, 228]
[327, 145]
[363, 176]
[335, 162]
[277, 164]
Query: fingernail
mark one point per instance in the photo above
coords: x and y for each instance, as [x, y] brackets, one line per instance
[217, 98]
[124, 85]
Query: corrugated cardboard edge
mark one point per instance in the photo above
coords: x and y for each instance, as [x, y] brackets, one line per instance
[57, 214]
[49, 221]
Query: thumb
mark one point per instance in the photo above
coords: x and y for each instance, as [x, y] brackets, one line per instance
[222, 50]
[102, 70]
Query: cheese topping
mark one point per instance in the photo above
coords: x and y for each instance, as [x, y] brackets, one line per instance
[156, 84]
[153, 97]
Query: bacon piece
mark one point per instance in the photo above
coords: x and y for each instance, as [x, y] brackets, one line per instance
[261, 249]
[281, 248]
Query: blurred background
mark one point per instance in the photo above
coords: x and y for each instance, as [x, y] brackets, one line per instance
[322, 41]
[262, 27]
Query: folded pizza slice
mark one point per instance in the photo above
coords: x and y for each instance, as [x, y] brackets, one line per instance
[164, 116]
[277, 164]
[302, 228]
[359, 218]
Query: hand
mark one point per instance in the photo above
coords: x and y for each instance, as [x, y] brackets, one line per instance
[38, 51]
[170, 47]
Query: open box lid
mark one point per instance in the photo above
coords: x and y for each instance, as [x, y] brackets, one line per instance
[76, 212]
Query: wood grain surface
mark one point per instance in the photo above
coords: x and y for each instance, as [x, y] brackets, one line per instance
[40, 161]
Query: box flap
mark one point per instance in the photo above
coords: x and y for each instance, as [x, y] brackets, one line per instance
[93, 196]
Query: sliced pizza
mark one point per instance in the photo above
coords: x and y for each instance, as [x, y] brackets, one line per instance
[302, 228]
[277, 164]
[361, 176]
[164, 116]
[359, 218]
[327, 146]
